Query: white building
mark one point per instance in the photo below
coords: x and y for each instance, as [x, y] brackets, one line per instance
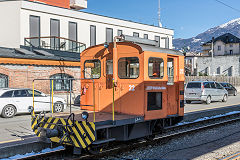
[23, 19]
[226, 44]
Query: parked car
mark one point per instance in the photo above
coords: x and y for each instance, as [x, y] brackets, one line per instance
[13, 101]
[205, 91]
[230, 88]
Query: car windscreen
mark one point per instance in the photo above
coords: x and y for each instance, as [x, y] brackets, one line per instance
[194, 85]
[224, 84]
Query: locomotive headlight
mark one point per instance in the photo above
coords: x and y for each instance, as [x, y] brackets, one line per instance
[85, 115]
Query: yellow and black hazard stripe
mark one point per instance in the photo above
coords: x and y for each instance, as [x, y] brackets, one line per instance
[83, 132]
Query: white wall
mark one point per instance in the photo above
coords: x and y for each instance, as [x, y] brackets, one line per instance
[10, 24]
[234, 48]
[84, 20]
[216, 51]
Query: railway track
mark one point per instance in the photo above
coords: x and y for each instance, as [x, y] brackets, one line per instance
[168, 133]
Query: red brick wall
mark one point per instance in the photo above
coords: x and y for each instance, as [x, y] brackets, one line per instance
[58, 3]
[21, 76]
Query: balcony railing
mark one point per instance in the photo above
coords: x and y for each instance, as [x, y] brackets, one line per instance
[55, 43]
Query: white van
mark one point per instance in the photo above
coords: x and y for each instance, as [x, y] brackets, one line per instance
[205, 91]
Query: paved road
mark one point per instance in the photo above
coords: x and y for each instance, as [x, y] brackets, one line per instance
[198, 106]
[12, 129]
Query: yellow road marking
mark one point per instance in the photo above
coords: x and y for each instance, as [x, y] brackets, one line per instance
[11, 141]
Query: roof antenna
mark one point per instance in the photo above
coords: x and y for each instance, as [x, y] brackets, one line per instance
[159, 16]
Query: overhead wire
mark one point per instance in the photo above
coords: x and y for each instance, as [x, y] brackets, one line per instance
[227, 5]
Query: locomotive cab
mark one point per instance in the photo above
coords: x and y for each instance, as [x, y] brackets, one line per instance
[147, 80]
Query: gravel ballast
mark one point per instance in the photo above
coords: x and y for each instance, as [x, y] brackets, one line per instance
[214, 143]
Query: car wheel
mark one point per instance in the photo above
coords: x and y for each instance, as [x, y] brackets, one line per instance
[188, 102]
[208, 100]
[235, 93]
[9, 111]
[58, 107]
[224, 98]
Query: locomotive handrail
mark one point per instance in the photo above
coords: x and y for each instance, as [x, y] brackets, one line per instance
[69, 79]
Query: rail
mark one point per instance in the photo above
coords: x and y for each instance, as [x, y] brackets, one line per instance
[55, 43]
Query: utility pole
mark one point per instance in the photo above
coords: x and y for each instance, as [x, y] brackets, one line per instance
[212, 52]
[159, 14]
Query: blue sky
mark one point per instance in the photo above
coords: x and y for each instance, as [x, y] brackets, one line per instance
[187, 17]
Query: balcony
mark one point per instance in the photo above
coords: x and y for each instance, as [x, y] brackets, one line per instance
[55, 43]
[78, 4]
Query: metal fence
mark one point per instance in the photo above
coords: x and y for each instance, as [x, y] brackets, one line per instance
[233, 80]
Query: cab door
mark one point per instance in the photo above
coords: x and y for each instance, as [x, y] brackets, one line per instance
[172, 88]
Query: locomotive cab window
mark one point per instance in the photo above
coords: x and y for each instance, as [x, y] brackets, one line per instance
[109, 67]
[154, 101]
[155, 68]
[92, 69]
[170, 70]
[128, 68]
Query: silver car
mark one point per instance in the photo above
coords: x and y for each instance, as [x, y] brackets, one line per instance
[205, 91]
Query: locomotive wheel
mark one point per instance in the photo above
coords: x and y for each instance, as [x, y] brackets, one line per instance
[9, 111]
[95, 149]
[58, 107]
[150, 137]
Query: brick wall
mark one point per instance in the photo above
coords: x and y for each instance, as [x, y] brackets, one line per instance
[21, 76]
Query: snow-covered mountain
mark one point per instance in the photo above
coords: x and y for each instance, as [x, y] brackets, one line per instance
[195, 43]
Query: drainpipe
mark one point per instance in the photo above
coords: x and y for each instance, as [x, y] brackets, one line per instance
[115, 58]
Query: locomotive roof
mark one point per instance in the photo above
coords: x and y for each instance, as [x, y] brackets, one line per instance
[158, 49]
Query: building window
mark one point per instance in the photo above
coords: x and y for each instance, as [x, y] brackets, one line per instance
[145, 36]
[167, 42]
[92, 35]
[157, 39]
[92, 69]
[61, 82]
[154, 101]
[155, 68]
[72, 35]
[109, 35]
[34, 23]
[219, 48]
[3, 81]
[219, 70]
[128, 68]
[231, 52]
[135, 34]
[54, 32]
[119, 32]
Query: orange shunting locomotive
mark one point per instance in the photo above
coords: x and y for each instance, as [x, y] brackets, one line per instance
[129, 90]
